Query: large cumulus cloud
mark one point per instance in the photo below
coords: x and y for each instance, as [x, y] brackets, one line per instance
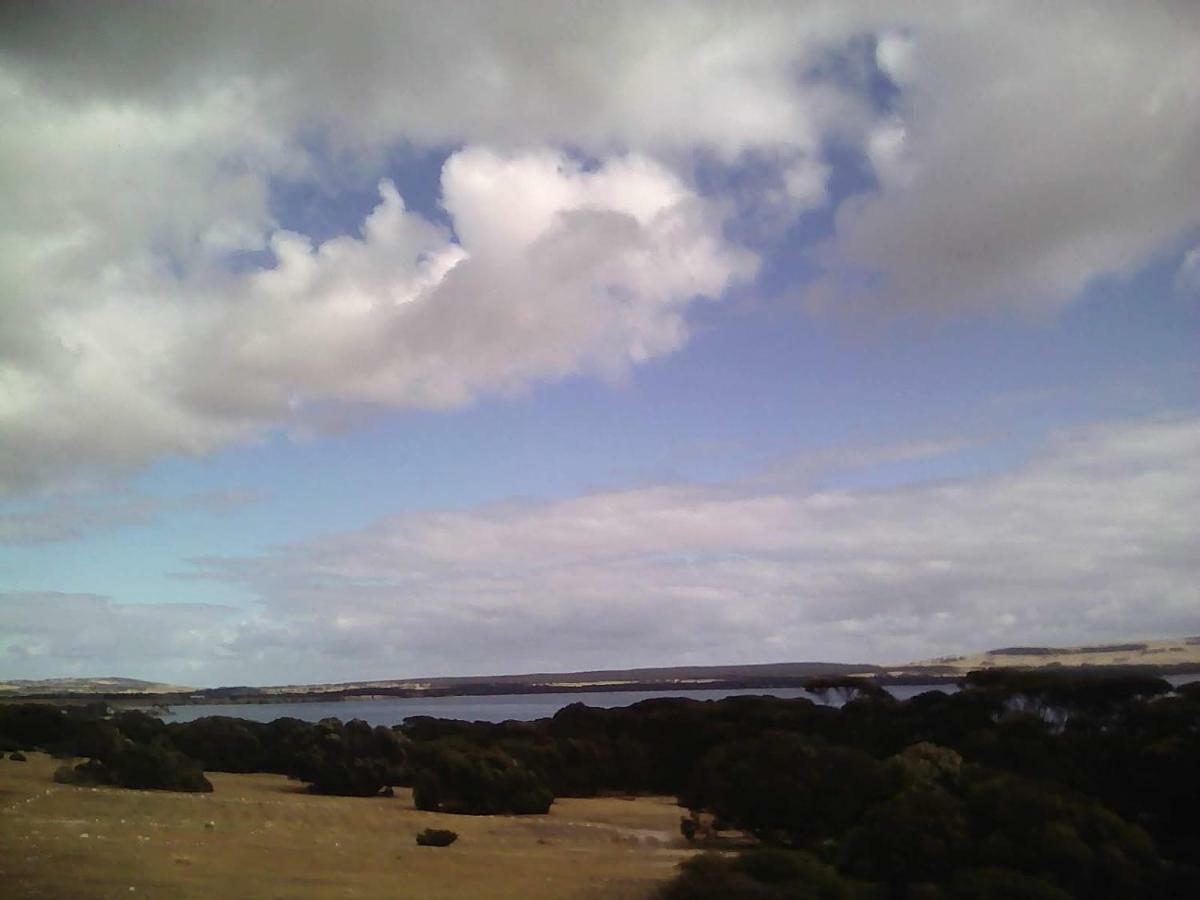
[551, 271]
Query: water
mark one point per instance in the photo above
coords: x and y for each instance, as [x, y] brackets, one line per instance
[496, 708]
[503, 707]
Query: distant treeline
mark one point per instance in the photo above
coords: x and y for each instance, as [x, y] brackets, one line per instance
[1063, 651]
[1022, 785]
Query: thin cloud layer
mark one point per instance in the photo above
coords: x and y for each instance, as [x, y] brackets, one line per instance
[66, 518]
[1008, 155]
[1092, 539]
[46, 634]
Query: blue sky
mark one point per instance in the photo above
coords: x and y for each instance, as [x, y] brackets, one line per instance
[814, 358]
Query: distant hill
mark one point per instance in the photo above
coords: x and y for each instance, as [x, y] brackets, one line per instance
[1164, 656]
[109, 685]
[609, 679]
[1161, 654]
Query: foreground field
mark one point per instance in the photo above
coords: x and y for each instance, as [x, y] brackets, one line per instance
[269, 839]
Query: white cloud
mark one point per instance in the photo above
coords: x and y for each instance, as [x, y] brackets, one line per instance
[1033, 148]
[1187, 279]
[144, 142]
[65, 518]
[50, 635]
[895, 57]
[554, 271]
[1027, 151]
[1093, 539]
[668, 76]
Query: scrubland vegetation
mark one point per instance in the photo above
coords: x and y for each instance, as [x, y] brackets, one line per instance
[1022, 785]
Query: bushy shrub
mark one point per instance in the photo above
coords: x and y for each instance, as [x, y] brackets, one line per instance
[915, 836]
[350, 760]
[140, 727]
[756, 875]
[771, 865]
[1002, 884]
[28, 726]
[784, 787]
[924, 763]
[17, 756]
[437, 837]
[427, 790]
[94, 738]
[86, 774]
[157, 767]
[471, 780]
[141, 767]
[1071, 841]
[220, 743]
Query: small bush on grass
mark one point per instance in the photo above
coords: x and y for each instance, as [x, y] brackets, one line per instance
[436, 837]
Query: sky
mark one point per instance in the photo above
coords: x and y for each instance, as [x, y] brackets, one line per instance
[361, 341]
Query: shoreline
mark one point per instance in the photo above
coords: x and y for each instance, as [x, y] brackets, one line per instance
[258, 697]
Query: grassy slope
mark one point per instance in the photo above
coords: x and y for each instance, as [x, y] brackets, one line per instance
[271, 840]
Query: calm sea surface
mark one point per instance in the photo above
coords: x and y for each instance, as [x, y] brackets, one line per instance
[501, 707]
[498, 708]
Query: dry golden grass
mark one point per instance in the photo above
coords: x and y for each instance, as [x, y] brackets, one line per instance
[269, 839]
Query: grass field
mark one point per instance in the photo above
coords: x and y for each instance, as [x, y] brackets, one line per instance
[268, 839]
